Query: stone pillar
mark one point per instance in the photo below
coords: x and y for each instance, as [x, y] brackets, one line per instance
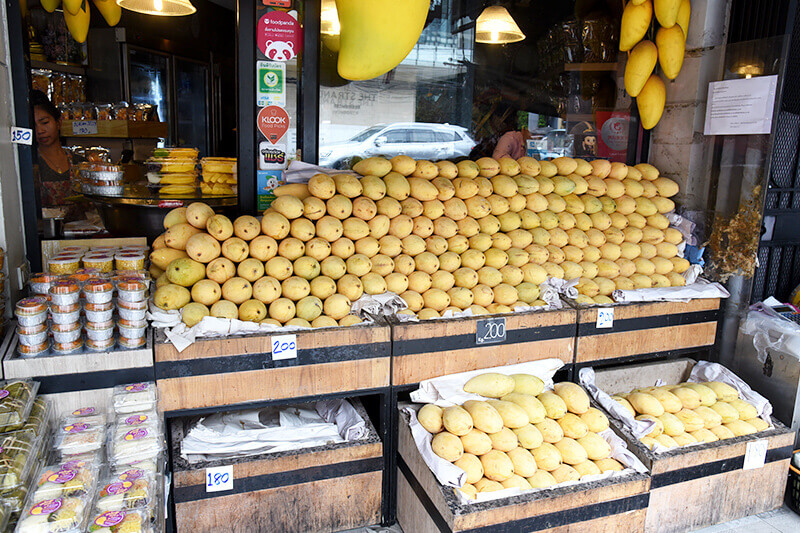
[678, 148]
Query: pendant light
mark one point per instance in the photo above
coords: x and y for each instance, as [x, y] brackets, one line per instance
[496, 26]
[329, 18]
[163, 8]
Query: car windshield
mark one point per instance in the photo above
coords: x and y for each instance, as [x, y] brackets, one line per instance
[364, 135]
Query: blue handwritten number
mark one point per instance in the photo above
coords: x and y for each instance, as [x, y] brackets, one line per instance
[218, 479]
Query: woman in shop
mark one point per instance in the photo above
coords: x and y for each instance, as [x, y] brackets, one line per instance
[53, 164]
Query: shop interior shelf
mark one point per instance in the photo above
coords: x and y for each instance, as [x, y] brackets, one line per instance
[59, 67]
[119, 129]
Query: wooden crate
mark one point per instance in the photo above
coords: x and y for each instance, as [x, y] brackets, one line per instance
[240, 369]
[431, 348]
[424, 505]
[647, 328]
[697, 486]
[325, 488]
[84, 379]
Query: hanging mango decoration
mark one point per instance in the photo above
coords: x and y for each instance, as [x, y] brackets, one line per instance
[78, 24]
[110, 10]
[72, 6]
[50, 5]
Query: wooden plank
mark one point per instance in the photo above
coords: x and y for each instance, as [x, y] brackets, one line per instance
[411, 514]
[55, 365]
[640, 310]
[282, 463]
[319, 506]
[714, 499]
[195, 392]
[413, 368]
[254, 344]
[646, 341]
[466, 326]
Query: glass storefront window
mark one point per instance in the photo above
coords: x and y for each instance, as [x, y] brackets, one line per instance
[451, 97]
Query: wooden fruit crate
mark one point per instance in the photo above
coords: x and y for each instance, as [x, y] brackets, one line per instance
[642, 329]
[324, 488]
[83, 379]
[697, 486]
[240, 369]
[431, 348]
[426, 506]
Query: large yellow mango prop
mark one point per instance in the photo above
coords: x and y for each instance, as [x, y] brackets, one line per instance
[376, 35]
[50, 5]
[684, 14]
[651, 101]
[110, 10]
[635, 23]
[78, 25]
[72, 6]
[641, 62]
[671, 45]
[667, 12]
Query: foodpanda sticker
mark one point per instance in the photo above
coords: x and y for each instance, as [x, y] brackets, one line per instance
[279, 36]
[272, 156]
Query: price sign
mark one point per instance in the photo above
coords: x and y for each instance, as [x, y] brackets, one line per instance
[490, 330]
[219, 478]
[284, 347]
[755, 455]
[21, 135]
[84, 127]
[605, 318]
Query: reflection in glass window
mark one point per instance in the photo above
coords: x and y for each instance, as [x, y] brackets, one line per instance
[560, 89]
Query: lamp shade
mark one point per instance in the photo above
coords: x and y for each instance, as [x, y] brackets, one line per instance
[496, 26]
[163, 8]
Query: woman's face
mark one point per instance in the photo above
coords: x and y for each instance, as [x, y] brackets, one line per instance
[47, 127]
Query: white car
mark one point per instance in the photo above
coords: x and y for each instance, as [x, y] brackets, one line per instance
[417, 140]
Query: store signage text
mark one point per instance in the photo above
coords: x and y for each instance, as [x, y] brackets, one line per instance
[490, 330]
[84, 127]
[605, 318]
[21, 135]
[273, 123]
[219, 478]
[271, 80]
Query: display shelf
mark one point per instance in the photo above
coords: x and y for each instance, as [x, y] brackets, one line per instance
[322, 488]
[642, 330]
[59, 67]
[78, 380]
[118, 129]
[431, 348]
[424, 505]
[711, 475]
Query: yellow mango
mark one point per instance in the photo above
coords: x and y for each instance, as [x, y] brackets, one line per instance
[641, 62]
[651, 101]
[667, 12]
[684, 14]
[635, 23]
[671, 45]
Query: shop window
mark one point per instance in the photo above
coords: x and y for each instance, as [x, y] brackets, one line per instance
[561, 86]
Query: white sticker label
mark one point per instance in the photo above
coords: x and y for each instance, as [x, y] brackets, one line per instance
[605, 318]
[219, 478]
[755, 455]
[21, 135]
[84, 127]
[284, 347]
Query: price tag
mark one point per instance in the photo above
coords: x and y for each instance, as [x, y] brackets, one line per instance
[84, 127]
[219, 478]
[284, 347]
[490, 330]
[605, 318]
[169, 204]
[21, 135]
[755, 455]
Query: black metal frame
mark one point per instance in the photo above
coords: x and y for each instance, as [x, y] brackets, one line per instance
[246, 103]
[20, 79]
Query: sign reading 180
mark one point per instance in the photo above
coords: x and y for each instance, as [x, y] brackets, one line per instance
[490, 330]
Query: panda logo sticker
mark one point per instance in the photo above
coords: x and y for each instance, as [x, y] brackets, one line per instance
[279, 36]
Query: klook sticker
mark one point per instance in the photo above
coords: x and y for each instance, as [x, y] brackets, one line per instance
[273, 123]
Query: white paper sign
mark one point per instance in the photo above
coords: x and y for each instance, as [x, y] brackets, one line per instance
[284, 347]
[605, 318]
[219, 478]
[741, 107]
[84, 127]
[21, 135]
[755, 455]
